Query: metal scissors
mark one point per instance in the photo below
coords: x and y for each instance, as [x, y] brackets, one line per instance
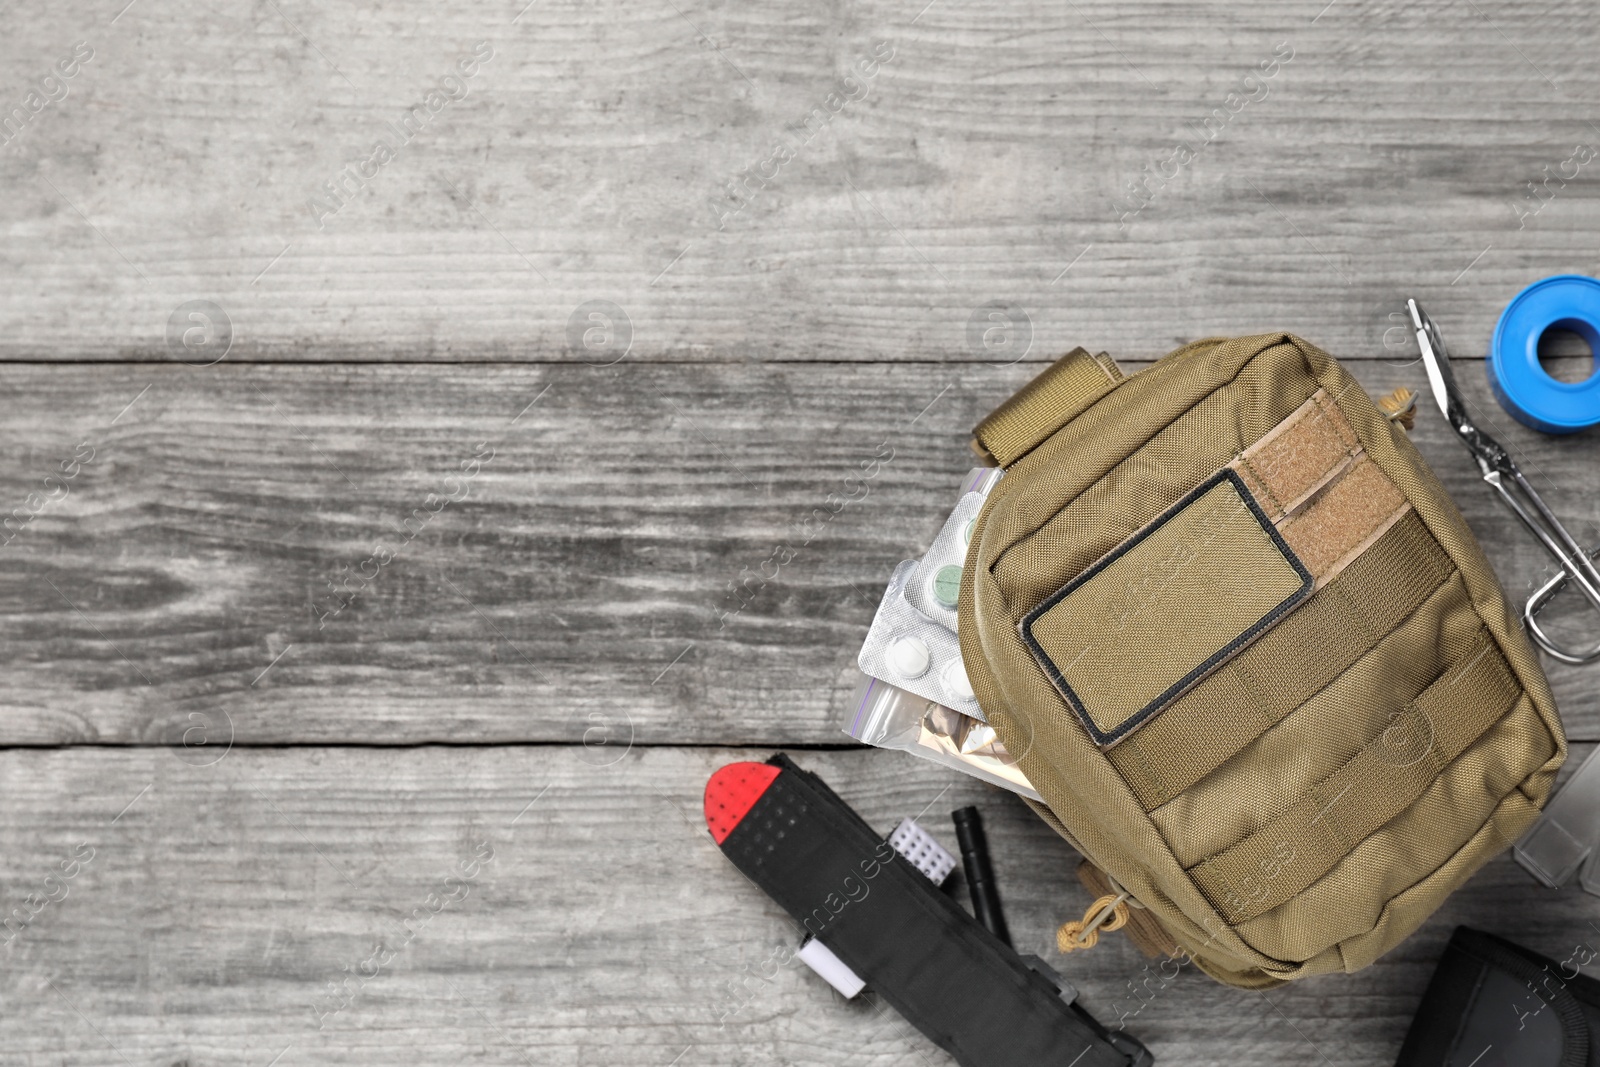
[1504, 476]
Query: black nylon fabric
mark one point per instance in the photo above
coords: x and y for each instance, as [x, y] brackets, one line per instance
[1493, 1003]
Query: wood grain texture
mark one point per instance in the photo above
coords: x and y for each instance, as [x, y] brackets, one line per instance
[219, 903]
[790, 289]
[591, 156]
[602, 571]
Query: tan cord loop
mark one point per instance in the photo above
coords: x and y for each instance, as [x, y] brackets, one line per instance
[1108, 913]
[1127, 897]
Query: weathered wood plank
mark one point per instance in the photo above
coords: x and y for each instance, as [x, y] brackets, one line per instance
[219, 902]
[591, 158]
[606, 561]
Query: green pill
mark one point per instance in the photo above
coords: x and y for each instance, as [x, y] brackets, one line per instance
[966, 532]
[947, 585]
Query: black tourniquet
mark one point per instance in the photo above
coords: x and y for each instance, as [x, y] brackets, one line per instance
[970, 994]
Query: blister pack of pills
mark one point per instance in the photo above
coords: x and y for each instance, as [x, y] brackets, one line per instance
[934, 588]
[910, 650]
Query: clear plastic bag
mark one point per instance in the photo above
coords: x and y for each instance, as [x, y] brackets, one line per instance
[887, 716]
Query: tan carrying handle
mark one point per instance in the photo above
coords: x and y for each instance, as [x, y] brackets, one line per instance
[1059, 394]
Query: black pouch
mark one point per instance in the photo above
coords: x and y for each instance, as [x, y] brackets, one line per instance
[1492, 1003]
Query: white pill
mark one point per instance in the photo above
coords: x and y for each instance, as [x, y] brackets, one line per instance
[908, 657]
[956, 681]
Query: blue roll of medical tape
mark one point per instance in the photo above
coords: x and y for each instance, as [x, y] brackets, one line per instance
[1523, 387]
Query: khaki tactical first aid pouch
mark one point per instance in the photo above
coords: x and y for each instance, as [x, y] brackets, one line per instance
[1244, 645]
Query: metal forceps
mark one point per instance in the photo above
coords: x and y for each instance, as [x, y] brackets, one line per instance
[1503, 475]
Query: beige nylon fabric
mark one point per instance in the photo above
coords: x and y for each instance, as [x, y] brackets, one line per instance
[1039, 408]
[1287, 666]
[1172, 588]
[1320, 707]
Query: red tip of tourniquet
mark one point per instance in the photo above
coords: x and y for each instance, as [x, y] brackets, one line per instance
[732, 791]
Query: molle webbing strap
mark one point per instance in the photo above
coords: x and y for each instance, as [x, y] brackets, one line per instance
[1387, 776]
[1059, 393]
[1286, 666]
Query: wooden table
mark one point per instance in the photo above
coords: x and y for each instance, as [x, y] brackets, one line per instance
[434, 544]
